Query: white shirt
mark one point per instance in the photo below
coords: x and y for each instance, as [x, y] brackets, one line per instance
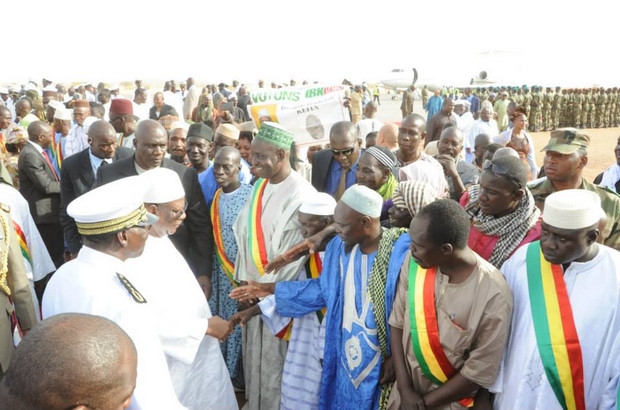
[199, 373]
[140, 110]
[594, 291]
[477, 128]
[89, 284]
[95, 162]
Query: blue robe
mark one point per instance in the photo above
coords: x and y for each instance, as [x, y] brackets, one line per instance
[433, 106]
[295, 299]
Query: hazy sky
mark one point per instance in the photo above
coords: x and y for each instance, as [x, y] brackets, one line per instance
[324, 40]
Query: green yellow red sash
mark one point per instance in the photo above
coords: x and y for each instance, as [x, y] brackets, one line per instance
[554, 326]
[227, 266]
[424, 329]
[256, 238]
[314, 267]
[23, 245]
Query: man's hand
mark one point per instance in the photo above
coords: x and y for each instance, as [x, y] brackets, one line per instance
[410, 400]
[205, 284]
[219, 328]
[291, 255]
[387, 374]
[449, 164]
[243, 317]
[252, 291]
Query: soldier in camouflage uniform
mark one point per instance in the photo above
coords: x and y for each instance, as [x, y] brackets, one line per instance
[601, 102]
[616, 119]
[567, 104]
[527, 100]
[536, 106]
[592, 109]
[587, 98]
[611, 107]
[547, 102]
[556, 108]
[577, 107]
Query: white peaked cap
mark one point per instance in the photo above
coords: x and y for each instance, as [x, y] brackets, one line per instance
[55, 104]
[319, 204]
[363, 200]
[111, 208]
[572, 209]
[162, 185]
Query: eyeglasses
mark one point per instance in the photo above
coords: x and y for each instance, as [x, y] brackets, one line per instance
[500, 170]
[345, 152]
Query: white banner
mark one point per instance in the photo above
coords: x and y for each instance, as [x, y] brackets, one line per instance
[308, 111]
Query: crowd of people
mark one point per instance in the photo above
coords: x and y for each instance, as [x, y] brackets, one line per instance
[178, 253]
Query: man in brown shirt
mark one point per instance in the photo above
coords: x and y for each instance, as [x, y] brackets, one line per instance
[438, 121]
[473, 309]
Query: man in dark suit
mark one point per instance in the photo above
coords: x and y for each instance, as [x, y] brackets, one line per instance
[328, 165]
[194, 238]
[159, 109]
[40, 186]
[78, 175]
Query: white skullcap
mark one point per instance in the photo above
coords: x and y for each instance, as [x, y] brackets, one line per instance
[228, 130]
[572, 209]
[15, 89]
[179, 124]
[363, 200]
[62, 114]
[111, 208]
[319, 204]
[50, 88]
[55, 104]
[4, 90]
[162, 185]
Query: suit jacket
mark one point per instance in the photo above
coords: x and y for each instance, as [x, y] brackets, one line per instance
[194, 238]
[20, 292]
[38, 185]
[165, 110]
[321, 161]
[76, 179]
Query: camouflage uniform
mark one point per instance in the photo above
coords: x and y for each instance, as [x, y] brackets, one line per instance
[587, 99]
[601, 102]
[592, 109]
[547, 101]
[577, 106]
[556, 108]
[616, 119]
[610, 202]
[611, 107]
[536, 106]
[527, 100]
[567, 103]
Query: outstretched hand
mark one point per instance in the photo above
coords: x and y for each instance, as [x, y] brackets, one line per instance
[294, 253]
[252, 291]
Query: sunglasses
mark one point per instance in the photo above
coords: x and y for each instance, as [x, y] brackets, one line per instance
[345, 152]
[499, 170]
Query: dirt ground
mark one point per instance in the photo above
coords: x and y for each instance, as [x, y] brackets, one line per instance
[600, 153]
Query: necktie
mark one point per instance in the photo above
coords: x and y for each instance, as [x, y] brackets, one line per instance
[342, 184]
[103, 163]
[49, 162]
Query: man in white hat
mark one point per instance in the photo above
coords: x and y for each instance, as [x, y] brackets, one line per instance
[188, 332]
[115, 226]
[62, 126]
[226, 135]
[266, 227]
[357, 286]
[301, 376]
[563, 350]
[7, 101]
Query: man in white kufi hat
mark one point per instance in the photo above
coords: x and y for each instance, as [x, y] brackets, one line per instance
[188, 332]
[114, 225]
[563, 350]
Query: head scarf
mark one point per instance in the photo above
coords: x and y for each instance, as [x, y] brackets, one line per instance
[413, 195]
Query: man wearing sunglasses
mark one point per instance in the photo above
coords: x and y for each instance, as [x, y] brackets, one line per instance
[334, 170]
[502, 210]
[566, 156]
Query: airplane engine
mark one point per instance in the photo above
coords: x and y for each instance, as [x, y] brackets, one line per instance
[483, 77]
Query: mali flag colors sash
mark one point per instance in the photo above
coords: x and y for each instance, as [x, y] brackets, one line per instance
[425, 330]
[314, 267]
[256, 238]
[23, 245]
[554, 326]
[227, 266]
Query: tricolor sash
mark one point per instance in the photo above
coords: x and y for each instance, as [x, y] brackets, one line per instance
[554, 326]
[256, 238]
[314, 267]
[23, 244]
[425, 330]
[227, 266]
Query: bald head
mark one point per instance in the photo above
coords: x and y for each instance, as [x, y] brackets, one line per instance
[231, 153]
[93, 360]
[415, 121]
[36, 129]
[150, 143]
[388, 136]
[102, 139]
[343, 131]
[22, 107]
[505, 152]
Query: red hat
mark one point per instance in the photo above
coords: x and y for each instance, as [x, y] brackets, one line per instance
[81, 103]
[121, 106]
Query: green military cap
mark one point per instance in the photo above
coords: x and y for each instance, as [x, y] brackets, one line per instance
[567, 141]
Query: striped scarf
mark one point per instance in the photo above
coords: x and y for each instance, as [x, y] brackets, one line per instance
[413, 195]
[511, 229]
[377, 289]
